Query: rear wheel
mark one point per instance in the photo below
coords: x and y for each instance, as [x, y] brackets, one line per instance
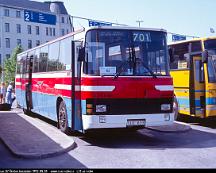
[63, 118]
[175, 108]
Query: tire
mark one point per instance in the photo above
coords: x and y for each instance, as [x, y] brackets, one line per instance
[175, 109]
[63, 118]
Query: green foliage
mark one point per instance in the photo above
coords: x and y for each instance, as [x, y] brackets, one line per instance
[1, 70]
[10, 65]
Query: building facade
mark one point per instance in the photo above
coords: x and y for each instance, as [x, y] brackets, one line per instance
[30, 23]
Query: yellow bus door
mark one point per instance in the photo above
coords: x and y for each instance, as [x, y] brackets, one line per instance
[197, 87]
[210, 86]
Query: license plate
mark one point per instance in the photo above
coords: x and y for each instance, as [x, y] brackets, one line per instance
[136, 123]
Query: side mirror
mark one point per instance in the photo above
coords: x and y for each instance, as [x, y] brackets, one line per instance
[81, 56]
[171, 54]
[205, 56]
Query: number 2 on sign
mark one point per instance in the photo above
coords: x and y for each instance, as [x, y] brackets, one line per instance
[27, 17]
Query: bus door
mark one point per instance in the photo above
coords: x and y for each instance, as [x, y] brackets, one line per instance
[197, 87]
[28, 84]
[76, 87]
[210, 85]
[21, 97]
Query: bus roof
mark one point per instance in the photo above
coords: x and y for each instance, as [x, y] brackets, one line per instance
[92, 28]
[193, 40]
[127, 28]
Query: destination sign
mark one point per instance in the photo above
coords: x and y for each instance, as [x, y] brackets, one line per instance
[96, 23]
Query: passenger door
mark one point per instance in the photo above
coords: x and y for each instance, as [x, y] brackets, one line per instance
[28, 85]
[197, 87]
[23, 81]
[76, 87]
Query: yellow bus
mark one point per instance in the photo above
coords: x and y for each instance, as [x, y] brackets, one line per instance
[193, 68]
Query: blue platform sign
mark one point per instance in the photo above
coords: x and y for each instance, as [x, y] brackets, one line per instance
[37, 17]
[178, 37]
[96, 23]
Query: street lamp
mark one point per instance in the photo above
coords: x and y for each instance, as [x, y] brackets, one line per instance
[139, 21]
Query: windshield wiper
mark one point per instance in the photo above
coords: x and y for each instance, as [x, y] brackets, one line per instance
[149, 70]
[124, 63]
[132, 60]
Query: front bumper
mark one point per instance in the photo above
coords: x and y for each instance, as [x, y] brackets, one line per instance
[120, 121]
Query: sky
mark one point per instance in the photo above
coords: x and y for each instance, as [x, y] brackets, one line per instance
[186, 17]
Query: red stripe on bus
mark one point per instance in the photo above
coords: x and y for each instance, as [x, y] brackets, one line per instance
[125, 88]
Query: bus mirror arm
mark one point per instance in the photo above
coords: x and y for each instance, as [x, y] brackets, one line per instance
[81, 56]
[205, 56]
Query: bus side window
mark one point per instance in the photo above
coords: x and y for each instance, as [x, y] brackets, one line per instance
[180, 61]
[43, 59]
[36, 61]
[53, 57]
[18, 68]
[196, 46]
[24, 64]
[65, 55]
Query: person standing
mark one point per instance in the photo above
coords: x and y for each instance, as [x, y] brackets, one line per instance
[2, 93]
[9, 93]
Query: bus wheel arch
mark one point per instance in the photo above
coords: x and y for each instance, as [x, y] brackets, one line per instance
[58, 102]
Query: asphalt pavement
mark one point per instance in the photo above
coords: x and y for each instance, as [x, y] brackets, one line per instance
[29, 137]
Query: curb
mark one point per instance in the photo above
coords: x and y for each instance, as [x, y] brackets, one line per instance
[39, 156]
[186, 128]
[33, 148]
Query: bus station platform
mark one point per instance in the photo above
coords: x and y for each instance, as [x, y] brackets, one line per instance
[31, 138]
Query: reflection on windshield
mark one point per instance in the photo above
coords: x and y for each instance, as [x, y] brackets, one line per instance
[126, 53]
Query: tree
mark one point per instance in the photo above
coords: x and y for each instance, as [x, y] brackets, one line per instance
[10, 65]
[1, 70]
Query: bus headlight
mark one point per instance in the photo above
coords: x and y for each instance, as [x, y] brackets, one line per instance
[166, 107]
[101, 108]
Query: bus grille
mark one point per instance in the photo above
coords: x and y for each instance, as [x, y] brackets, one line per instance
[131, 106]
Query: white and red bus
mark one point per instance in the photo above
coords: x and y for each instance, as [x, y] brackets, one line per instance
[99, 78]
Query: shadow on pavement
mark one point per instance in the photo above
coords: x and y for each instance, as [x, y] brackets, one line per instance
[146, 139]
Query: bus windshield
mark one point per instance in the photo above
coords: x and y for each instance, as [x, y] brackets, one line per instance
[126, 53]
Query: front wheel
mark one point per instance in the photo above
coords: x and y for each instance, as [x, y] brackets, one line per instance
[63, 118]
[175, 108]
